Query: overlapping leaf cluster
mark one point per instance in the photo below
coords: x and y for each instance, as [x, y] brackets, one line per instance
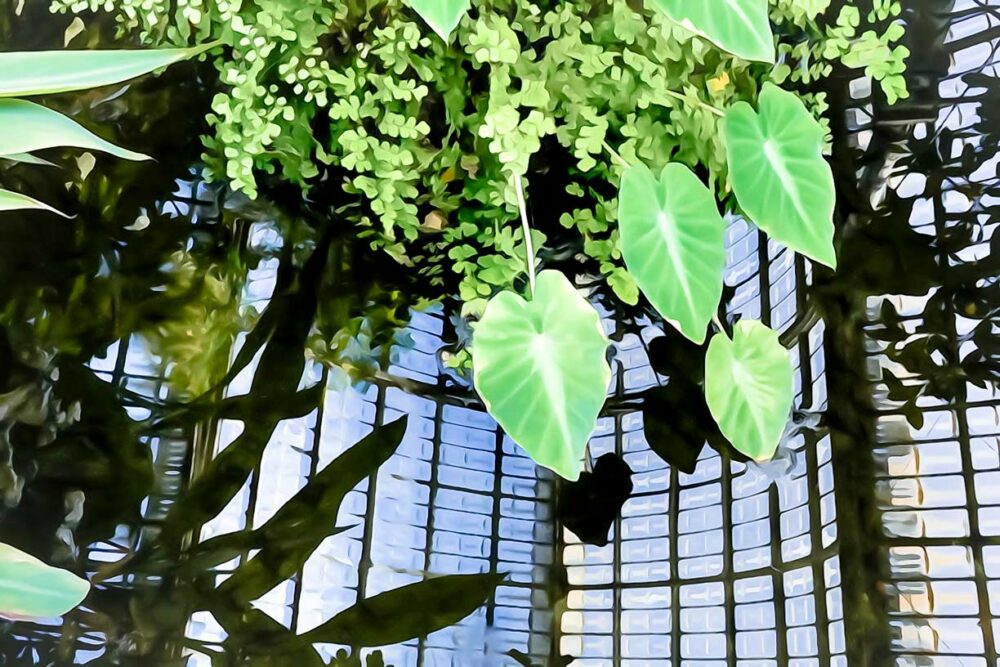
[422, 132]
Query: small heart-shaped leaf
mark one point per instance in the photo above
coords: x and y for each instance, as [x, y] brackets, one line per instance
[673, 242]
[740, 27]
[441, 15]
[749, 388]
[778, 173]
[541, 370]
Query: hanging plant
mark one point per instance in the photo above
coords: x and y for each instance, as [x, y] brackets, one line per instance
[428, 122]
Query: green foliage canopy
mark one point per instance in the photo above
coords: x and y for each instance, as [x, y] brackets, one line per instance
[424, 133]
[425, 140]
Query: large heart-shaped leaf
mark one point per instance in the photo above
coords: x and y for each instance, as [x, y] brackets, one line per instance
[28, 127]
[740, 27]
[41, 72]
[673, 242]
[778, 173]
[441, 15]
[541, 370]
[13, 201]
[31, 589]
[749, 386]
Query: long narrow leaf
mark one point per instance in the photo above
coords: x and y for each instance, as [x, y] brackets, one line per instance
[14, 201]
[222, 548]
[29, 127]
[302, 523]
[42, 72]
[408, 612]
[27, 158]
[277, 375]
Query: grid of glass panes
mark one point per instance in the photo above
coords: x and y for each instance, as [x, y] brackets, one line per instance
[730, 565]
[456, 497]
[938, 484]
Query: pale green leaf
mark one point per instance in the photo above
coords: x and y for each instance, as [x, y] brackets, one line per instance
[673, 242]
[27, 158]
[740, 27]
[41, 72]
[14, 201]
[777, 170]
[749, 387]
[29, 127]
[541, 370]
[441, 15]
[31, 589]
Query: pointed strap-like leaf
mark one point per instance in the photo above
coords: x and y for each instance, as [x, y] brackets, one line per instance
[30, 127]
[15, 201]
[309, 517]
[25, 73]
[31, 589]
[408, 612]
[27, 158]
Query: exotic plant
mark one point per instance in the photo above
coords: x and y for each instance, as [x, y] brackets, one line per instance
[650, 120]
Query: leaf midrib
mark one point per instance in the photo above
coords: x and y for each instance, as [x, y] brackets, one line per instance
[746, 20]
[669, 231]
[776, 160]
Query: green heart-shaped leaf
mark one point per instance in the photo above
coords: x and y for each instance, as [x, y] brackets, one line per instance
[740, 27]
[31, 589]
[541, 370]
[749, 387]
[673, 242]
[41, 72]
[28, 127]
[778, 173]
[441, 15]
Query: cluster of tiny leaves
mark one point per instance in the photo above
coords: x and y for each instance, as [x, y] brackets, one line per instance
[423, 135]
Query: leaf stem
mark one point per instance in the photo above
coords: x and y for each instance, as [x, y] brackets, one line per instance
[718, 325]
[528, 246]
[704, 105]
[615, 155]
